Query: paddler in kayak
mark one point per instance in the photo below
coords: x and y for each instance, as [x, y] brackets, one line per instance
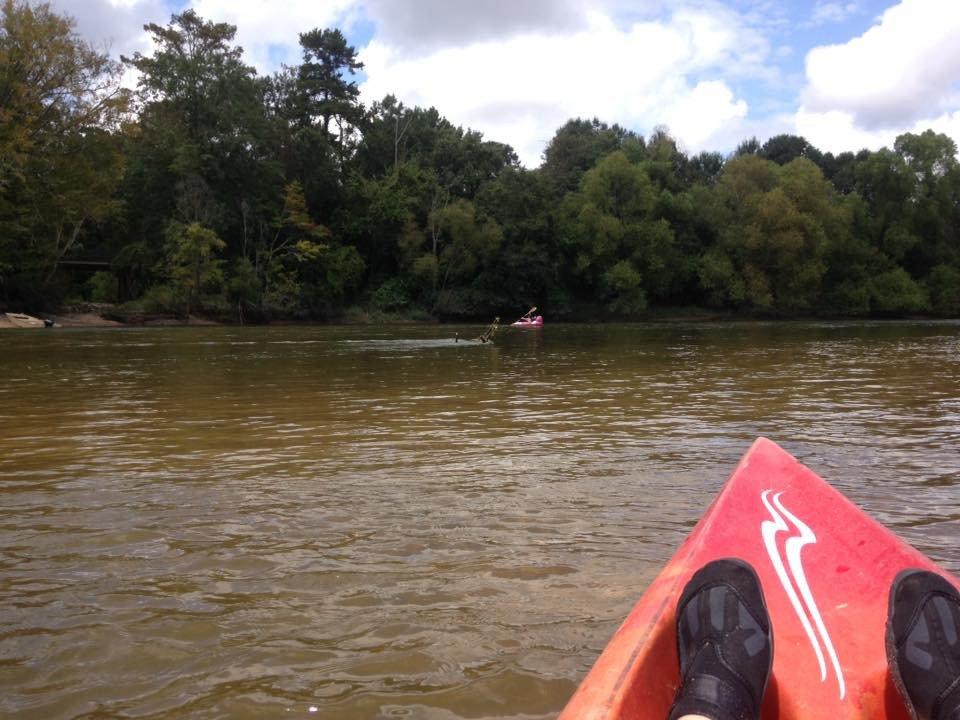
[490, 332]
[725, 644]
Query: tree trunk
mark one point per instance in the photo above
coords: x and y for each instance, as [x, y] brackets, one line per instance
[61, 252]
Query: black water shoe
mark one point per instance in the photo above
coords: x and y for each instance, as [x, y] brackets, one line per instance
[923, 644]
[724, 642]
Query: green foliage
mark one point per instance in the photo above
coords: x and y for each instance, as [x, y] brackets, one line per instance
[782, 149]
[750, 146]
[425, 272]
[103, 287]
[944, 285]
[773, 237]
[344, 270]
[229, 192]
[849, 298]
[719, 278]
[243, 285]
[323, 92]
[618, 188]
[60, 101]
[194, 266]
[161, 299]
[577, 146]
[896, 293]
[391, 296]
[464, 243]
[705, 168]
[624, 286]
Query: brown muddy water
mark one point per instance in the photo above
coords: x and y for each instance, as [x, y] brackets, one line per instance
[381, 523]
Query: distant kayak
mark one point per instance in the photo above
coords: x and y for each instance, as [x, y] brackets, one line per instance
[826, 570]
[529, 322]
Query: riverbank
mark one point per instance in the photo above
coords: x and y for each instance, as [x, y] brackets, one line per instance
[106, 316]
[92, 319]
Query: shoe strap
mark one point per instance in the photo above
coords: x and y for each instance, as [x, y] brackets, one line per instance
[709, 695]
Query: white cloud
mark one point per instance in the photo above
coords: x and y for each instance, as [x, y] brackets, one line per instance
[900, 76]
[269, 31]
[903, 68]
[836, 131]
[514, 69]
[699, 114]
[521, 88]
[827, 11]
[114, 26]
[417, 27]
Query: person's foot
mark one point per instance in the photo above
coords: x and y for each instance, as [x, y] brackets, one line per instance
[724, 642]
[923, 644]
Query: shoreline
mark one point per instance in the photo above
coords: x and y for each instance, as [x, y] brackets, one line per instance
[92, 319]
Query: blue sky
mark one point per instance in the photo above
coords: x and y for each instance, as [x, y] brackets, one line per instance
[846, 74]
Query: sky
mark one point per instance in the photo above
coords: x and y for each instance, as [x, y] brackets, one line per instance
[845, 74]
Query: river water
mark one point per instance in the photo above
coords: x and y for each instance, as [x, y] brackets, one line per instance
[352, 522]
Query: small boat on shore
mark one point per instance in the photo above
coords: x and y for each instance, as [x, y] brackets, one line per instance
[826, 569]
[22, 320]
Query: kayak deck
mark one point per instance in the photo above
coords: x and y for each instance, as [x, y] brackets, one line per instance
[826, 570]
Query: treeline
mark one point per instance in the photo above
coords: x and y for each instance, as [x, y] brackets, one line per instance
[213, 189]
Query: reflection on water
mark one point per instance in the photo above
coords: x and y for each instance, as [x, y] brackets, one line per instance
[366, 523]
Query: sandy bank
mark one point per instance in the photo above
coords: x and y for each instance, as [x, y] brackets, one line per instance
[74, 320]
[19, 321]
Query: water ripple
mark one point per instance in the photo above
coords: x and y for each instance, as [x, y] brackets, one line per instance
[250, 522]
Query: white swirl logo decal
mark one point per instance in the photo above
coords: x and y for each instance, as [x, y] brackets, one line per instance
[794, 580]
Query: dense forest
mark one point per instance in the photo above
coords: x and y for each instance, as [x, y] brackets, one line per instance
[211, 189]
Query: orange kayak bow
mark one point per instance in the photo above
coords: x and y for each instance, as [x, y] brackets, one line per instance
[826, 570]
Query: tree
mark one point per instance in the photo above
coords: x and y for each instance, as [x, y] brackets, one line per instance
[706, 168]
[75, 186]
[377, 213]
[324, 92]
[750, 146]
[194, 71]
[193, 264]
[839, 170]
[625, 287]
[59, 101]
[467, 244]
[896, 293]
[617, 187]
[317, 109]
[576, 147]
[296, 240]
[772, 239]
[667, 164]
[781, 149]
[527, 269]
[932, 159]
[620, 253]
[205, 150]
[930, 155]
[944, 286]
[743, 177]
[461, 161]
